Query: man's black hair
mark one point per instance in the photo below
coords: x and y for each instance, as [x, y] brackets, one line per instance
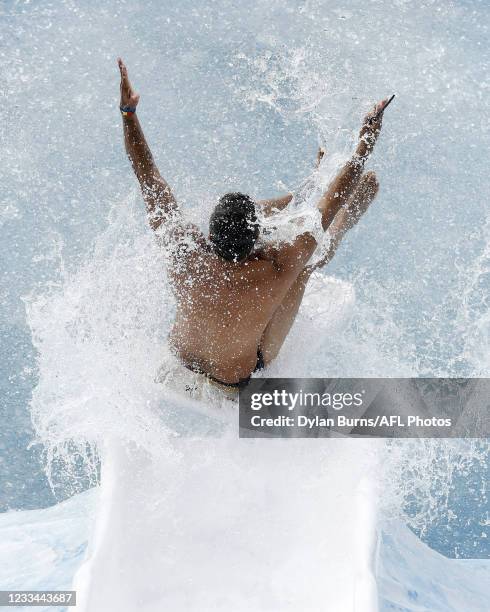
[233, 228]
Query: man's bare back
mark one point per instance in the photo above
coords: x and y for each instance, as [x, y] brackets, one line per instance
[221, 318]
[232, 308]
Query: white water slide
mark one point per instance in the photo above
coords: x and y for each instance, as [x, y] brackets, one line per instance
[233, 525]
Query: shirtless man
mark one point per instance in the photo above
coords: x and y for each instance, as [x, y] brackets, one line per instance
[235, 306]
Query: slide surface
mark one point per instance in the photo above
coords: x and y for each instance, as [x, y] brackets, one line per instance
[221, 524]
[49, 545]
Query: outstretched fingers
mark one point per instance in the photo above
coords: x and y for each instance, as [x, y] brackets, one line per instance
[128, 96]
[122, 68]
[124, 75]
[371, 126]
[375, 116]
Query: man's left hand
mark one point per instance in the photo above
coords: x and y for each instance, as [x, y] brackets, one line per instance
[128, 96]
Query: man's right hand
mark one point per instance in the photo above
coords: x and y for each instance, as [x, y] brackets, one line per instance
[128, 96]
[371, 129]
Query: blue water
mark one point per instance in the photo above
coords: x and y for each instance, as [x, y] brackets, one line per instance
[237, 97]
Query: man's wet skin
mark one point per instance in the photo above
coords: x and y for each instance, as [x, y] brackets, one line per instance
[228, 310]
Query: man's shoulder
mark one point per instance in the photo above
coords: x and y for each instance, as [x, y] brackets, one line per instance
[178, 230]
[179, 239]
[256, 268]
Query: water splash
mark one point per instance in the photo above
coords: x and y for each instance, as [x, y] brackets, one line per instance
[243, 106]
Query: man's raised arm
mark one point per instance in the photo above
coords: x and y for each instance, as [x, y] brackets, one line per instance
[347, 180]
[292, 257]
[159, 200]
